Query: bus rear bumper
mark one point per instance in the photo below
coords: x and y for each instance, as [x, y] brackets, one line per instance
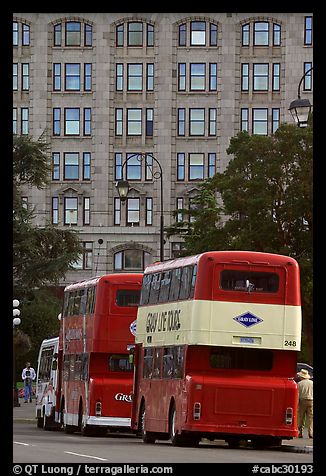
[109, 421]
[246, 432]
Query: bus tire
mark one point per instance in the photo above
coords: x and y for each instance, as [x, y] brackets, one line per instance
[46, 422]
[147, 436]
[39, 422]
[175, 437]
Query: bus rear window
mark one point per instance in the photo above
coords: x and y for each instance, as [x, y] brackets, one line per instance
[241, 359]
[249, 281]
[127, 297]
[119, 363]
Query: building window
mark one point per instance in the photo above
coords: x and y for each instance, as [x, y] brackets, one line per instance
[212, 34]
[245, 77]
[117, 211]
[87, 121]
[211, 164]
[212, 76]
[133, 211]
[212, 122]
[15, 77]
[176, 249]
[196, 121]
[244, 119]
[88, 35]
[55, 166]
[14, 120]
[56, 121]
[181, 122]
[180, 167]
[149, 167]
[245, 38]
[70, 211]
[72, 77]
[133, 166]
[15, 33]
[275, 119]
[118, 166]
[150, 35]
[24, 120]
[71, 166]
[149, 122]
[183, 34]
[308, 30]
[72, 121]
[86, 259]
[86, 211]
[181, 76]
[26, 36]
[86, 165]
[197, 33]
[118, 121]
[87, 76]
[134, 77]
[131, 260]
[25, 76]
[135, 34]
[149, 211]
[196, 166]
[197, 76]
[276, 77]
[57, 35]
[55, 210]
[261, 30]
[179, 217]
[260, 77]
[260, 121]
[73, 33]
[119, 77]
[56, 76]
[134, 125]
[276, 34]
[119, 34]
[307, 82]
[150, 77]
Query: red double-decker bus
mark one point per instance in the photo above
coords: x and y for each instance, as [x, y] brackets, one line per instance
[216, 349]
[97, 329]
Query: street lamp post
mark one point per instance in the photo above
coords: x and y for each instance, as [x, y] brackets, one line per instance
[301, 108]
[123, 189]
[15, 322]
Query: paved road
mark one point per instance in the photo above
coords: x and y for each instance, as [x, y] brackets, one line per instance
[33, 445]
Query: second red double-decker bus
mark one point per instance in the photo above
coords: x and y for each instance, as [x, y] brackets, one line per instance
[216, 343]
[97, 330]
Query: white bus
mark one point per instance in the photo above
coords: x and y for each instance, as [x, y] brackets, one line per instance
[46, 383]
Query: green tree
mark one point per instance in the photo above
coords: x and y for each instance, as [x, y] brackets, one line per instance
[265, 196]
[41, 255]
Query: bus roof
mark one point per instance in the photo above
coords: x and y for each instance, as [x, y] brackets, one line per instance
[116, 278]
[231, 256]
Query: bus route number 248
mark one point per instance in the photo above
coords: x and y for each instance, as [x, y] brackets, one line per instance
[290, 343]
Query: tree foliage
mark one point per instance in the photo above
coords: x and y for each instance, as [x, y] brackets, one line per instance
[261, 202]
[41, 255]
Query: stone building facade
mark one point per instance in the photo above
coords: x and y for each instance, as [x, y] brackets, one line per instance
[176, 86]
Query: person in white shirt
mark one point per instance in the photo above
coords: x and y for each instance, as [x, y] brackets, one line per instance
[28, 375]
[305, 416]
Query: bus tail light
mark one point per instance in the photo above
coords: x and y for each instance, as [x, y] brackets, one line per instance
[289, 416]
[98, 409]
[197, 410]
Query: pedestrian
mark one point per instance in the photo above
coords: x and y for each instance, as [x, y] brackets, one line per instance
[305, 413]
[28, 375]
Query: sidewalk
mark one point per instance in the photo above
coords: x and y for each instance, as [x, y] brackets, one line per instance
[27, 413]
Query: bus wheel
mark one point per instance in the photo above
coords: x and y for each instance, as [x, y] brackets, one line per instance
[176, 439]
[39, 422]
[147, 436]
